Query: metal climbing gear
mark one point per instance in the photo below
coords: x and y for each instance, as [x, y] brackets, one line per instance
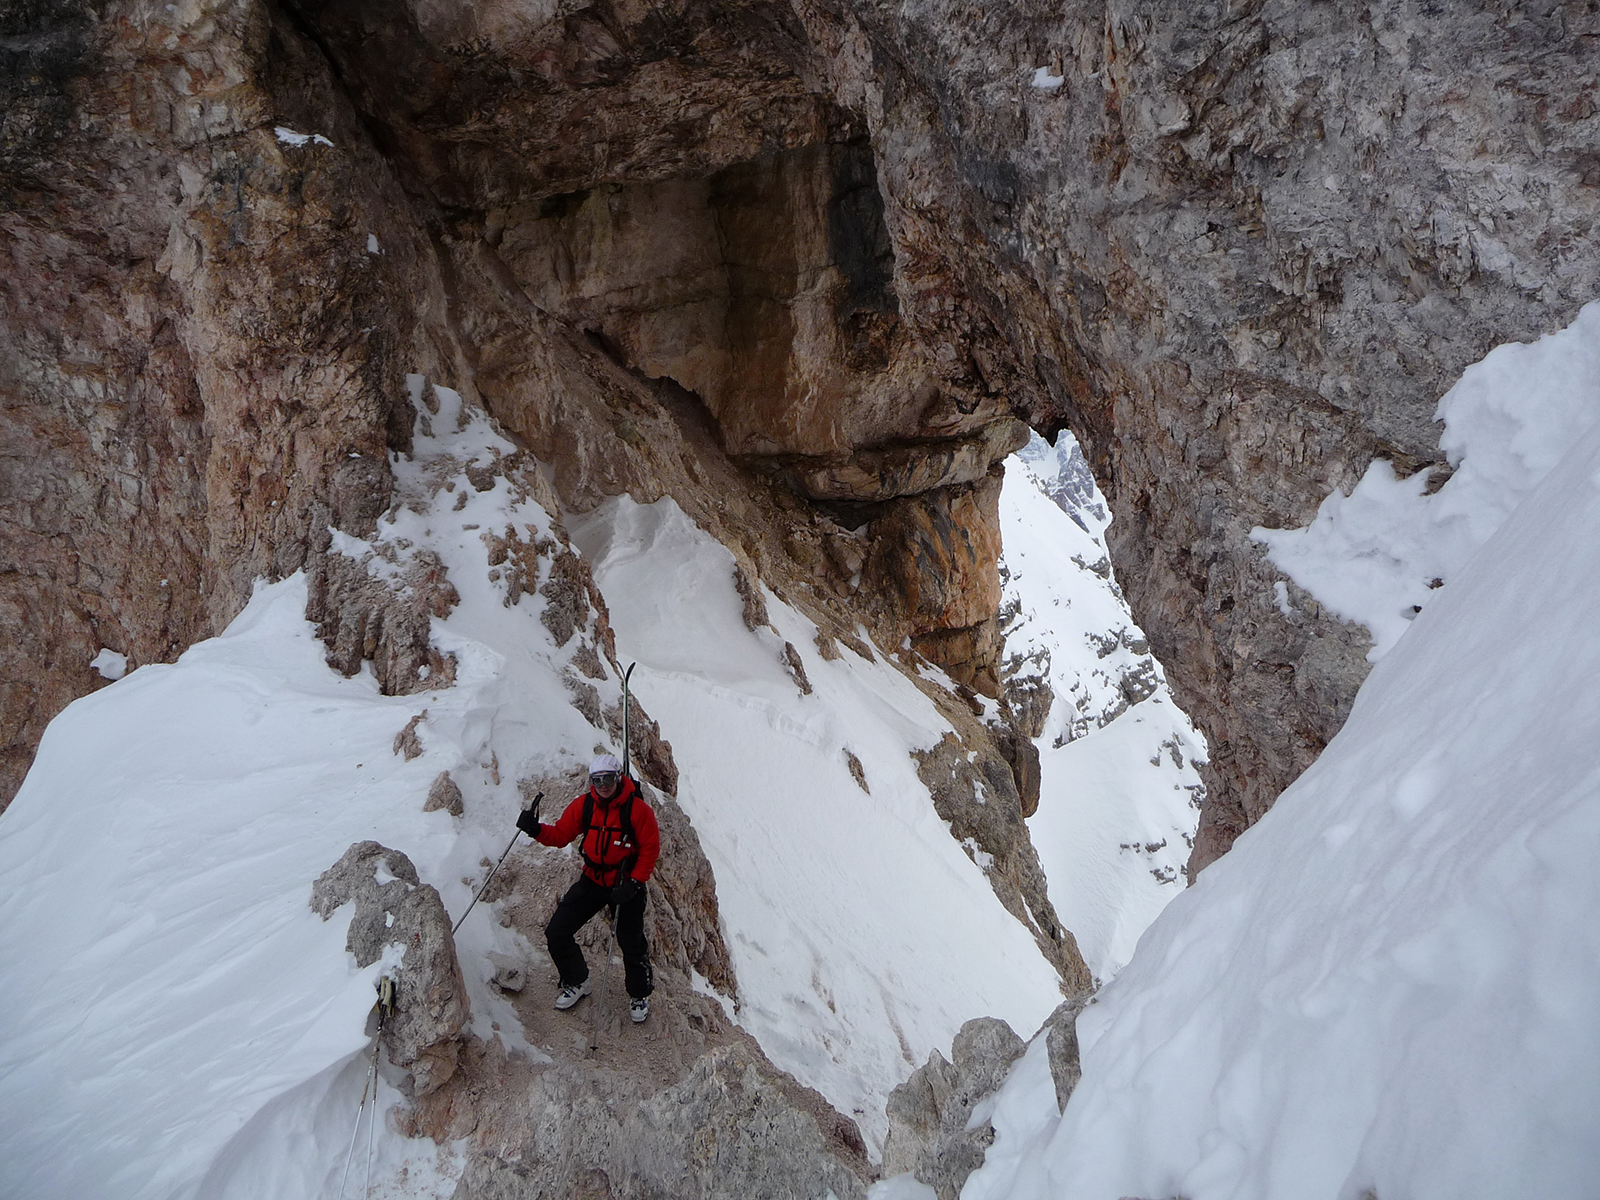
[385, 1005]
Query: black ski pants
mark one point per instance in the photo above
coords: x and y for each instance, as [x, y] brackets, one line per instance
[582, 901]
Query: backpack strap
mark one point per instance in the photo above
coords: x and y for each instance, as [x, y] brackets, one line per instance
[625, 819]
[624, 869]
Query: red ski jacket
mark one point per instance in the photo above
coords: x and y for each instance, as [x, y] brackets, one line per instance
[607, 849]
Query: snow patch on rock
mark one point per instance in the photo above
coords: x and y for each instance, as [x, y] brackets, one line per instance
[1378, 555]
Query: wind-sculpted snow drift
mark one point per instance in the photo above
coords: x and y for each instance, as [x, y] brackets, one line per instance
[1376, 556]
[1386, 987]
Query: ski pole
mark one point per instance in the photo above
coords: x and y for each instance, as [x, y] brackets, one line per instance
[366, 1083]
[495, 868]
[385, 1007]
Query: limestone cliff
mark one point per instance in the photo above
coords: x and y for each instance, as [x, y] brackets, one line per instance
[1239, 248]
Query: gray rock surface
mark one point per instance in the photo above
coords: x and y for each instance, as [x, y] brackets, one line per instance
[1061, 1033]
[729, 1129]
[932, 1131]
[431, 1006]
[929, 1113]
[444, 793]
[1241, 249]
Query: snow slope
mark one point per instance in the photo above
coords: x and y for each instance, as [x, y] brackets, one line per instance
[862, 935]
[1119, 794]
[1388, 984]
[176, 1022]
[165, 982]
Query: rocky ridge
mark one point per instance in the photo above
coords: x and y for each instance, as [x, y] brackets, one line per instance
[807, 268]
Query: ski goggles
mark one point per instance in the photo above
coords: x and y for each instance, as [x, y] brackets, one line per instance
[605, 779]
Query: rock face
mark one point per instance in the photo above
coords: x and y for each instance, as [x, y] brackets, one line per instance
[1241, 250]
[201, 366]
[744, 261]
[981, 798]
[803, 266]
[393, 909]
[936, 1129]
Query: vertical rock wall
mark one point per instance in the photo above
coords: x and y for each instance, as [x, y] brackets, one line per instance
[1240, 248]
[201, 354]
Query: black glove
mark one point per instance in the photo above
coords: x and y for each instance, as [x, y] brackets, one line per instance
[528, 818]
[626, 891]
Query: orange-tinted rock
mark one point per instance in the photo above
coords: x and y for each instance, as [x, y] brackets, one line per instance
[937, 555]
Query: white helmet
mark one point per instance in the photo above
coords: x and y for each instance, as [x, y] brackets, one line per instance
[605, 763]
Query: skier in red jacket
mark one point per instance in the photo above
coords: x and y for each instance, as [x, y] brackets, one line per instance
[620, 845]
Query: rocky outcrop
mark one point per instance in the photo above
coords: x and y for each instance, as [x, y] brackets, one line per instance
[978, 794]
[684, 1105]
[939, 1130]
[399, 917]
[906, 470]
[729, 1128]
[931, 1131]
[384, 620]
